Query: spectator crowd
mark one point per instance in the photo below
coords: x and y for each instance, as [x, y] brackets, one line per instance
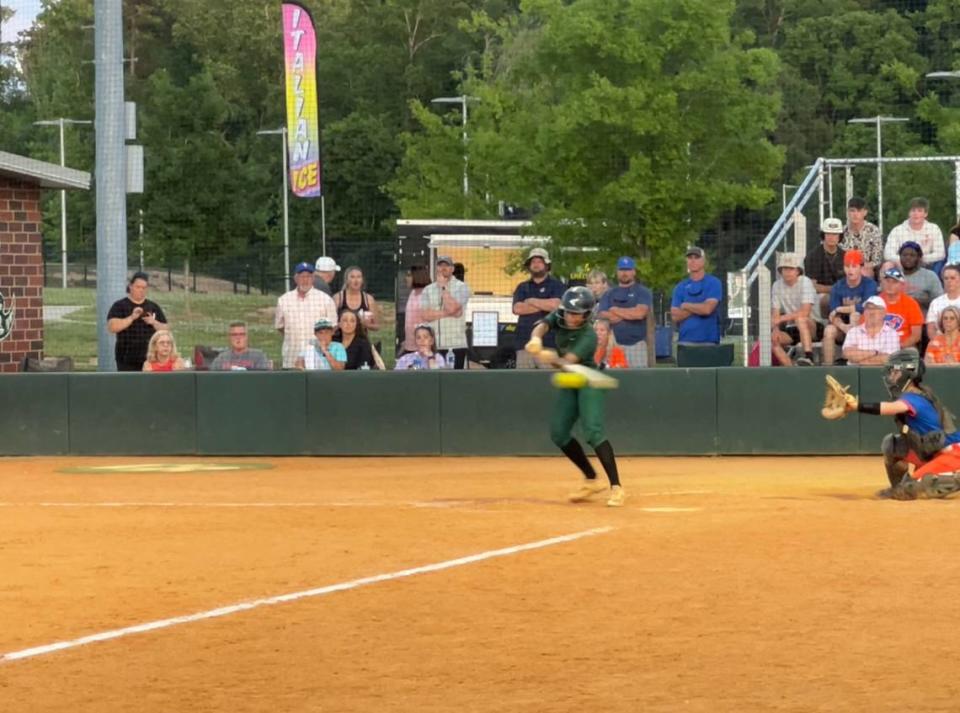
[855, 296]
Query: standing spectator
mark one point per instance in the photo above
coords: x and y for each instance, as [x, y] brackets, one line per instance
[162, 354]
[859, 234]
[951, 298]
[627, 306]
[792, 299]
[425, 355]
[824, 264]
[846, 303]
[903, 312]
[918, 229]
[353, 298]
[323, 354]
[444, 304]
[871, 342]
[352, 334]
[533, 300]
[944, 349]
[298, 310]
[412, 316]
[598, 284]
[922, 284]
[134, 319]
[240, 357]
[695, 301]
[326, 271]
[460, 271]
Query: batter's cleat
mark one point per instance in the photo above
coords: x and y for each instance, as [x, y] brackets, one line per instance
[617, 497]
[588, 488]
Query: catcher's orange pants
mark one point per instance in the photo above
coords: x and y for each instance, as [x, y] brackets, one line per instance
[946, 461]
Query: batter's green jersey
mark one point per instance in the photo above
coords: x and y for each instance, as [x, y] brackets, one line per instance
[581, 341]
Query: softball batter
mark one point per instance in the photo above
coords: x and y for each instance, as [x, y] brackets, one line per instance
[576, 344]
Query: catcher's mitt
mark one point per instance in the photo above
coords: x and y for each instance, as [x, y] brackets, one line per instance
[837, 402]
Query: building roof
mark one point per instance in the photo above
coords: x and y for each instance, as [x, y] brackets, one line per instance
[46, 175]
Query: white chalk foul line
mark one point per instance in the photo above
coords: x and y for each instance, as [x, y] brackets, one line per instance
[293, 596]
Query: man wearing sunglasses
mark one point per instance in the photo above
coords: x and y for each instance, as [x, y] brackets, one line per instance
[695, 301]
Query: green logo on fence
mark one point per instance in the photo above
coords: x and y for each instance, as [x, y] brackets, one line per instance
[167, 468]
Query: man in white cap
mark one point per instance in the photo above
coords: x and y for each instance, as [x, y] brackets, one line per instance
[871, 342]
[824, 263]
[326, 270]
[533, 300]
[792, 299]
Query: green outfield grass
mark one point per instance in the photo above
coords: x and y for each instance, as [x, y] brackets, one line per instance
[194, 319]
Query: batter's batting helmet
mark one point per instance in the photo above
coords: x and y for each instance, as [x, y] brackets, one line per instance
[902, 367]
[577, 300]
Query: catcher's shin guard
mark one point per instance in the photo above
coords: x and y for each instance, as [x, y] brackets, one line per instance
[894, 452]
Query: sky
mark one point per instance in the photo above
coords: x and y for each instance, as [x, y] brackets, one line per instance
[24, 12]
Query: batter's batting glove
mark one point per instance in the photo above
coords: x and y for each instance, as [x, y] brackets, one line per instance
[534, 346]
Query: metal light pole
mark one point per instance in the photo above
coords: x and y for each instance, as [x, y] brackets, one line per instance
[879, 121]
[462, 100]
[282, 131]
[956, 165]
[63, 194]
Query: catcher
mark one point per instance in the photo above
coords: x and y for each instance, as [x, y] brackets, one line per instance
[576, 344]
[926, 436]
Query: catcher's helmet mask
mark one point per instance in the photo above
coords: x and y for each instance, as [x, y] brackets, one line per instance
[902, 368]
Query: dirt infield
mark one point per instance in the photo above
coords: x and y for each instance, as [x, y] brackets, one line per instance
[725, 584]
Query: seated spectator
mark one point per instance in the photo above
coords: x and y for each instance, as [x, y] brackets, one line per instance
[944, 349]
[627, 306]
[419, 277]
[353, 298]
[239, 357]
[871, 342]
[695, 301]
[953, 245]
[352, 334]
[792, 299]
[323, 353]
[951, 298]
[922, 284]
[608, 355]
[846, 303]
[162, 353]
[824, 264]
[918, 229]
[859, 234]
[426, 356]
[903, 312]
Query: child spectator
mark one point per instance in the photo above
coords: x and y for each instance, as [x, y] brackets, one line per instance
[323, 353]
[425, 356]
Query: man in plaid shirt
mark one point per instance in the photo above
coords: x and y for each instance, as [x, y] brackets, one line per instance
[298, 310]
[871, 342]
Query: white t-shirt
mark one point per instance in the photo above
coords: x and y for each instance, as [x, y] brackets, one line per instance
[296, 317]
[928, 237]
[937, 306]
[789, 299]
[451, 332]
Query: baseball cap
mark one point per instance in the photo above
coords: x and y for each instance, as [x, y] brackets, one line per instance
[327, 264]
[540, 253]
[875, 301]
[894, 274]
[853, 257]
[626, 263]
[303, 267]
[831, 225]
[445, 258]
[322, 324]
[911, 244]
[693, 250]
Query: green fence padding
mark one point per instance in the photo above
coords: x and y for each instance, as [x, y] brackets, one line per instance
[777, 411]
[495, 413]
[33, 417]
[663, 412]
[132, 414]
[252, 413]
[373, 413]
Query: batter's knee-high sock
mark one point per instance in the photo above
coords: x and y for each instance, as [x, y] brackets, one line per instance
[604, 452]
[574, 451]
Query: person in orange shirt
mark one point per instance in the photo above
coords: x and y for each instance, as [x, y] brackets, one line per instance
[903, 312]
[944, 349]
[608, 354]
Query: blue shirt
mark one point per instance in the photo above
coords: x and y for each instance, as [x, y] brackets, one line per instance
[628, 331]
[697, 328]
[923, 417]
[548, 289]
[842, 294]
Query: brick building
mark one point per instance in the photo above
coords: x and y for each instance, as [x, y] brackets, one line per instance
[22, 181]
